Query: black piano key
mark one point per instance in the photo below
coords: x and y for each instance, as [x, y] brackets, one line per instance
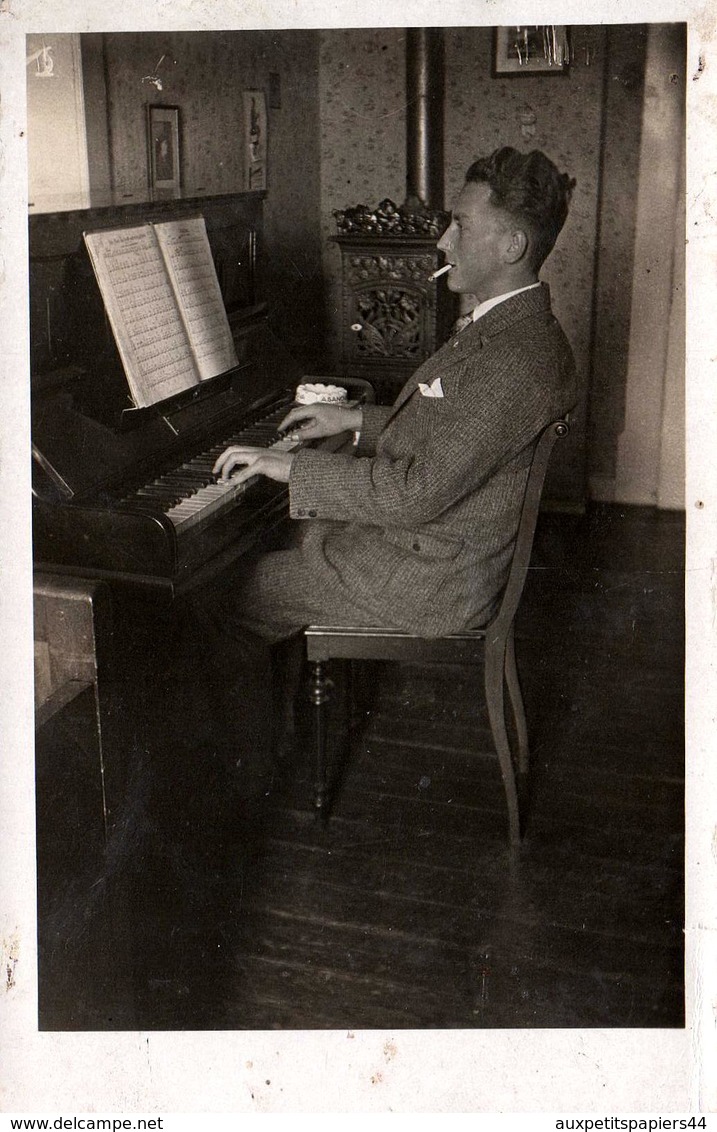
[162, 495]
[180, 483]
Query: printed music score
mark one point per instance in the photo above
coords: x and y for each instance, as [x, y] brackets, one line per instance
[164, 304]
[188, 257]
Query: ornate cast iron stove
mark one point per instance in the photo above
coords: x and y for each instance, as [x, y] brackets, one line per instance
[393, 317]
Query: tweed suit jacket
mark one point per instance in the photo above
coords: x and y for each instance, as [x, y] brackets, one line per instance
[418, 526]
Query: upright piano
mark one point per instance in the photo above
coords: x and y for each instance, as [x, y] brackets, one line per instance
[124, 496]
[126, 493]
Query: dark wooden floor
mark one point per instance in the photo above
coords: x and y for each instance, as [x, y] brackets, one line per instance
[211, 911]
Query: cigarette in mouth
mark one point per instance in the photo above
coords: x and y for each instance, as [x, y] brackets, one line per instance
[441, 271]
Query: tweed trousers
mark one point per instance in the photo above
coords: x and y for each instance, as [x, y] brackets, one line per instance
[276, 594]
[242, 634]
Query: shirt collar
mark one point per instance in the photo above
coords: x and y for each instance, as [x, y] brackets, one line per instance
[484, 307]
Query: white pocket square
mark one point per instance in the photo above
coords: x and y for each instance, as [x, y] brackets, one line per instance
[435, 389]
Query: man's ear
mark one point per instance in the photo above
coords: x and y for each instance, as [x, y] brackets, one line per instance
[516, 245]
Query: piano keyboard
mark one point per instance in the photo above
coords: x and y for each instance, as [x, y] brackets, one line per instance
[189, 494]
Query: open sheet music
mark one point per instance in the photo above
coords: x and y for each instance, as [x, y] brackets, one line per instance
[164, 305]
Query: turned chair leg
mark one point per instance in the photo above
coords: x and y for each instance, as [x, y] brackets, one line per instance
[320, 693]
[495, 659]
[516, 703]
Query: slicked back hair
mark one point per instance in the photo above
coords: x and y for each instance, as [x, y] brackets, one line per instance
[530, 189]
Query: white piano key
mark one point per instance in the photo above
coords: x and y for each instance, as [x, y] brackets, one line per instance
[217, 496]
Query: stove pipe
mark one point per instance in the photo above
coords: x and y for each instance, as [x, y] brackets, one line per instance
[424, 118]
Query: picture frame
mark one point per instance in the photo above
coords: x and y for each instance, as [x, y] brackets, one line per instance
[531, 49]
[163, 156]
[255, 139]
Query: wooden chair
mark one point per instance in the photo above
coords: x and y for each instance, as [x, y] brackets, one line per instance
[493, 644]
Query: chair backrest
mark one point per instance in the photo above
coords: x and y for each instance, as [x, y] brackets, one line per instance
[528, 520]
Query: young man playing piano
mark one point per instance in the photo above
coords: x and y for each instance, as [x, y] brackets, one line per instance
[415, 529]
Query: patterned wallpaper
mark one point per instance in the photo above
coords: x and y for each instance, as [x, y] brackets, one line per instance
[198, 72]
[363, 138]
[204, 73]
[561, 115]
[363, 153]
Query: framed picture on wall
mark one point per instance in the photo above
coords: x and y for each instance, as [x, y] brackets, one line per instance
[255, 139]
[163, 148]
[531, 49]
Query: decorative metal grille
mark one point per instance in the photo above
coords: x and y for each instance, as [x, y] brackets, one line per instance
[389, 323]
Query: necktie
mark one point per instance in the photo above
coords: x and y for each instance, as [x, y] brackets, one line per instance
[461, 323]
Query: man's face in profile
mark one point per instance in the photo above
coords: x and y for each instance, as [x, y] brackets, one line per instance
[475, 243]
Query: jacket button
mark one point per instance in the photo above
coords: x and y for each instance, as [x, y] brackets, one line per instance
[416, 546]
[301, 511]
[312, 514]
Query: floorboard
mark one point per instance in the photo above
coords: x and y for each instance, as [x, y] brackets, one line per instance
[209, 909]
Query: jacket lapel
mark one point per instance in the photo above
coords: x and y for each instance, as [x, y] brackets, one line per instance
[474, 337]
[501, 317]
